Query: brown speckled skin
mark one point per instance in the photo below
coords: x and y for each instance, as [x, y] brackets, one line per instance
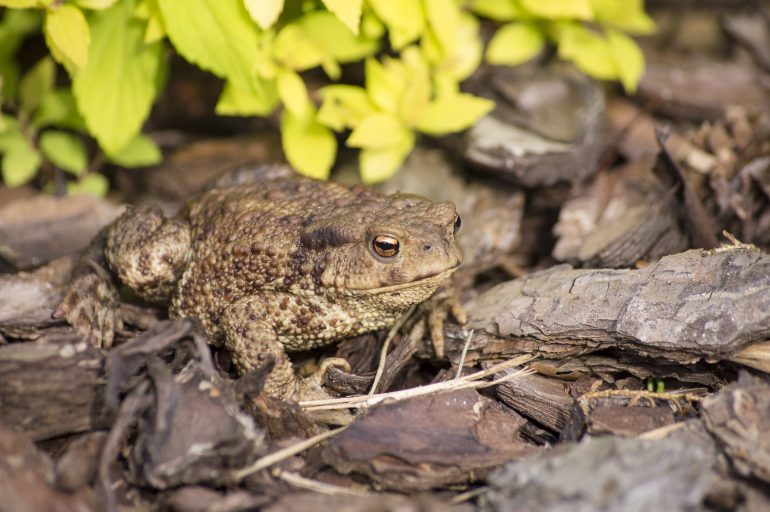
[286, 264]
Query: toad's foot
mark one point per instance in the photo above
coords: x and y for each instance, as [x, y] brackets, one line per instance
[446, 300]
[92, 305]
[311, 387]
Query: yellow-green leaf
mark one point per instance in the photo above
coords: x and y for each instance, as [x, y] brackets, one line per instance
[295, 50]
[459, 54]
[379, 130]
[626, 15]
[115, 91]
[344, 106]
[348, 12]
[405, 20]
[328, 34]
[64, 150]
[96, 5]
[383, 86]
[629, 59]
[293, 93]
[559, 9]
[498, 10]
[588, 50]
[264, 12]
[68, 36]
[415, 98]
[91, 185]
[36, 83]
[309, 146]
[453, 113]
[216, 35]
[149, 10]
[444, 20]
[20, 161]
[379, 164]
[515, 43]
[18, 4]
[256, 101]
[140, 151]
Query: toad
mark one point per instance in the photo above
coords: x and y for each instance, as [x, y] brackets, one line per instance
[274, 264]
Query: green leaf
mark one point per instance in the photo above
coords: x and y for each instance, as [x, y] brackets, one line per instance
[264, 12]
[498, 10]
[379, 164]
[9, 71]
[15, 25]
[91, 185]
[344, 106]
[216, 35]
[9, 131]
[59, 109]
[96, 5]
[115, 91]
[629, 59]
[377, 131]
[627, 15]
[260, 100]
[515, 43]
[405, 20]
[68, 36]
[140, 151]
[309, 146]
[348, 12]
[293, 93]
[20, 161]
[36, 83]
[18, 4]
[556, 9]
[64, 150]
[588, 50]
[453, 113]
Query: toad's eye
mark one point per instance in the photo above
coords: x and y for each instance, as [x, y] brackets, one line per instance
[385, 246]
[458, 223]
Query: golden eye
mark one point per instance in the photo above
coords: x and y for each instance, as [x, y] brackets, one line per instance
[385, 246]
[458, 223]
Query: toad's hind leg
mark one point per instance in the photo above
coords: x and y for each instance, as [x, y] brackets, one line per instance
[252, 338]
[148, 252]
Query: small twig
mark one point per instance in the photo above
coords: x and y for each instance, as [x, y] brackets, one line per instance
[468, 495]
[314, 485]
[472, 381]
[285, 453]
[385, 345]
[661, 432]
[462, 356]
[637, 394]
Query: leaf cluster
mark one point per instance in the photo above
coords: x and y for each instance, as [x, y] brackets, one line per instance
[416, 53]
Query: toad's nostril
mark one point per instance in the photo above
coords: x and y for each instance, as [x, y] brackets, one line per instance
[427, 247]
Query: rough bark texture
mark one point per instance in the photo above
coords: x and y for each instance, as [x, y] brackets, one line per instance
[696, 305]
[49, 390]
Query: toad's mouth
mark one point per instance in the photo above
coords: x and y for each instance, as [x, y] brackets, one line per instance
[423, 280]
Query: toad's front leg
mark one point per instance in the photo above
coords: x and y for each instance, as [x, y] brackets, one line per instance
[254, 327]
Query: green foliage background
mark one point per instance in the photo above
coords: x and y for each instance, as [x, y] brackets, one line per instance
[416, 53]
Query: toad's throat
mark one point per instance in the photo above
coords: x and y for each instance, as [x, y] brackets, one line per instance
[426, 280]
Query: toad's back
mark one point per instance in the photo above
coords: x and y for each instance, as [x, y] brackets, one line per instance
[247, 239]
